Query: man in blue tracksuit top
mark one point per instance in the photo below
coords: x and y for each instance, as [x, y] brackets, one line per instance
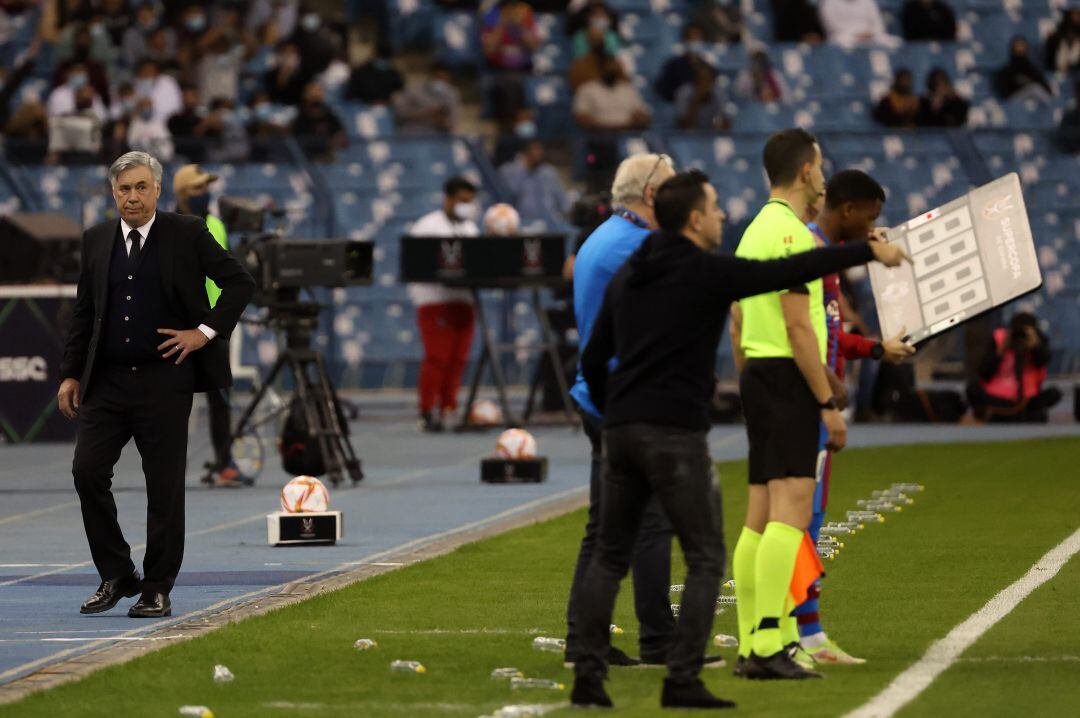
[603, 253]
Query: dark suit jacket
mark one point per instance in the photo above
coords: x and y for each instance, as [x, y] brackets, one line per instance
[188, 254]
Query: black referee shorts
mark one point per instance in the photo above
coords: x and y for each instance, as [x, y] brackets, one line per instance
[783, 420]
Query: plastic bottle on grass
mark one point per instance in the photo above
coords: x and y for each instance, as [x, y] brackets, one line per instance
[615, 630]
[908, 488]
[196, 711]
[365, 644]
[722, 640]
[551, 645]
[502, 674]
[677, 588]
[519, 683]
[407, 666]
[222, 674]
[675, 608]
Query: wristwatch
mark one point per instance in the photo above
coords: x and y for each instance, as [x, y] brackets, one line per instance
[829, 403]
[877, 351]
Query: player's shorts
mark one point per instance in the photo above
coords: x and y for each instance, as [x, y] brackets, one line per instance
[783, 420]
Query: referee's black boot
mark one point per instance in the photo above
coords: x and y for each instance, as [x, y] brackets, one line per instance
[111, 591]
[589, 692]
[778, 666]
[690, 695]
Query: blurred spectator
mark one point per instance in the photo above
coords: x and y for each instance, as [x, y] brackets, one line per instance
[510, 143]
[598, 33]
[26, 133]
[586, 68]
[148, 132]
[900, 107]
[700, 104]
[81, 59]
[114, 138]
[509, 37]
[149, 38]
[228, 138]
[941, 106]
[161, 89]
[62, 99]
[75, 135]
[608, 105]
[681, 69]
[534, 186]
[760, 81]
[189, 127]
[1063, 45]
[11, 80]
[285, 82]
[720, 21]
[116, 17]
[193, 27]
[317, 43]
[796, 21]
[218, 72]
[1020, 78]
[928, 20]
[86, 43]
[124, 101]
[580, 11]
[264, 129]
[611, 103]
[271, 21]
[1011, 376]
[376, 80]
[316, 126]
[1068, 134]
[855, 23]
[430, 105]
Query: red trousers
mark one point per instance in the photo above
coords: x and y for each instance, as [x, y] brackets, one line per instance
[447, 332]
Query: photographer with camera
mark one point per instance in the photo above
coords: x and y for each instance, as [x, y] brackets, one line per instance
[1011, 375]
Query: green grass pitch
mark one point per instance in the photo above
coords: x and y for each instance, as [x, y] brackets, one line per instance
[988, 513]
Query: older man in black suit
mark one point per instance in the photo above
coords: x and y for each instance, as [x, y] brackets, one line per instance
[140, 313]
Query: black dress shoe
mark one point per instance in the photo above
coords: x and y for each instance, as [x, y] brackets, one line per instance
[590, 692]
[739, 671]
[151, 605]
[778, 666]
[110, 592]
[690, 695]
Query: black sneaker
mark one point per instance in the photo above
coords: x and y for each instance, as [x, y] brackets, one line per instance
[778, 666]
[690, 695]
[590, 692]
[739, 671]
[710, 662]
[618, 657]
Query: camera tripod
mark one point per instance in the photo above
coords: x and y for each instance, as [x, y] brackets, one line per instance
[317, 395]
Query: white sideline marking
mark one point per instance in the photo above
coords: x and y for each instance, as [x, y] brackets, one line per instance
[1021, 659]
[907, 686]
[39, 512]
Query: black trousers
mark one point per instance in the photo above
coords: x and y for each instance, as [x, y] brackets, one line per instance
[643, 461]
[220, 426]
[1035, 411]
[651, 564]
[150, 403]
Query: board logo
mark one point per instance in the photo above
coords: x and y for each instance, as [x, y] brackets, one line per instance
[532, 256]
[451, 257]
[998, 207]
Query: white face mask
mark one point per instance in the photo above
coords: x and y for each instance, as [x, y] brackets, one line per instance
[467, 211]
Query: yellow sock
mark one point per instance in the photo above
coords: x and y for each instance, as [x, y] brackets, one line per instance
[773, 568]
[743, 561]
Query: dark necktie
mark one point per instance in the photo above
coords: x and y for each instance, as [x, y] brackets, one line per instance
[133, 255]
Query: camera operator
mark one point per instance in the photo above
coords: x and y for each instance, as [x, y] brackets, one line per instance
[1011, 375]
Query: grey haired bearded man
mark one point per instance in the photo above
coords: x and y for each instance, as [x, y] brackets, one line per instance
[143, 340]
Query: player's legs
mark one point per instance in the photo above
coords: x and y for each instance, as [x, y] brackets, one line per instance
[808, 613]
[437, 339]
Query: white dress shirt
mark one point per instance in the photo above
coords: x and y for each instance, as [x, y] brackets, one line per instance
[144, 233]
